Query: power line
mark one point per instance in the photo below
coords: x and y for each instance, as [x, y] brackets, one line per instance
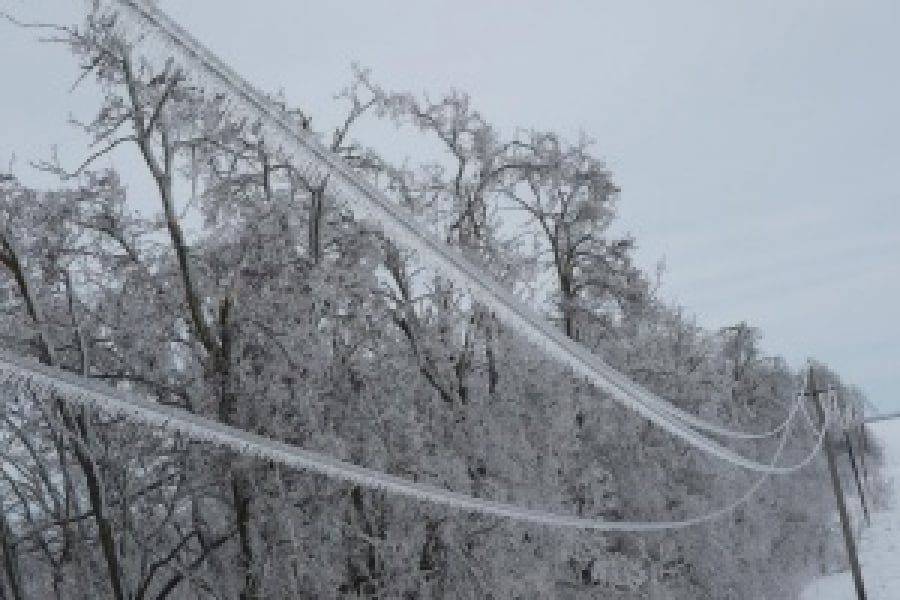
[143, 24]
[16, 372]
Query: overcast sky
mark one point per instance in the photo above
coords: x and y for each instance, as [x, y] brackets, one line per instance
[757, 144]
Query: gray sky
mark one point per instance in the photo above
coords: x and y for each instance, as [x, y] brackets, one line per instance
[757, 143]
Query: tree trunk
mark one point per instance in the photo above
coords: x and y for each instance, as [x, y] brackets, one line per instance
[241, 498]
[10, 563]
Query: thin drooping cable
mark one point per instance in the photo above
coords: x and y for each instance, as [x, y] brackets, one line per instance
[16, 371]
[143, 24]
[701, 425]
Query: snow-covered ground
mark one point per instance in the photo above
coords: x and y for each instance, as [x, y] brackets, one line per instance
[880, 544]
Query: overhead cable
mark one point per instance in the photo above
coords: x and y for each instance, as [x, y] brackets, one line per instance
[156, 37]
[17, 372]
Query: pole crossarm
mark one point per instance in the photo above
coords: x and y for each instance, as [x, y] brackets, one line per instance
[883, 417]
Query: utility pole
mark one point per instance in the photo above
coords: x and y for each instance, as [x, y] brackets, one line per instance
[863, 442]
[838, 492]
[859, 485]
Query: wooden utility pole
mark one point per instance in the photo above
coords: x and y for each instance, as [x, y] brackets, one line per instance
[838, 492]
[859, 485]
[863, 442]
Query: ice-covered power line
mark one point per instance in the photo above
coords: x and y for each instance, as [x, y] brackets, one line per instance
[156, 37]
[17, 372]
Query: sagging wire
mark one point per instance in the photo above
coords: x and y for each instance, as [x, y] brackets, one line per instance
[145, 26]
[16, 371]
